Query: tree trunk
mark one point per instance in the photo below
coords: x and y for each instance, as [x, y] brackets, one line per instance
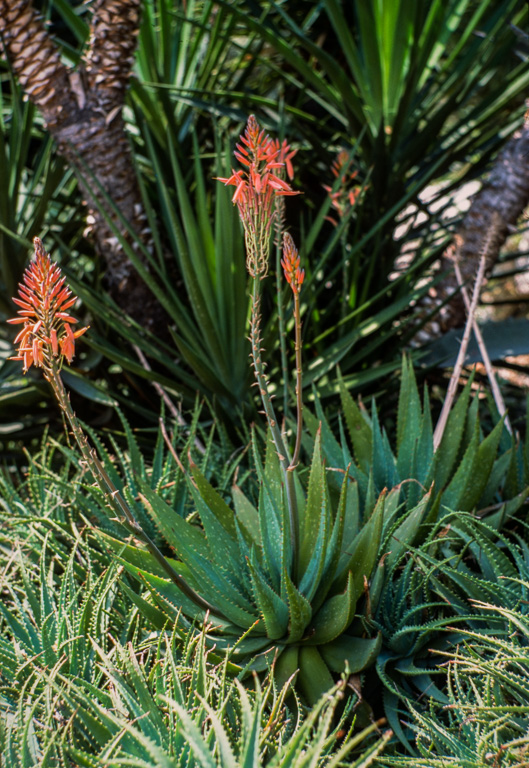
[494, 211]
[83, 112]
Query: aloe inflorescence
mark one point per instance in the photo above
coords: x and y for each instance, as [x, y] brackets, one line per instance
[46, 337]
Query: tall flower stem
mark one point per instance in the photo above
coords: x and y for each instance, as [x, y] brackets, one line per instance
[295, 277]
[46, 340]
[346, 283]
[259, 189]
[299, 383]
[262, 384]
[281, 318]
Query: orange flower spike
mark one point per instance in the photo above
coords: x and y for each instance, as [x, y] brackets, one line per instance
[290, 263]
[258, 184]
[44, 299]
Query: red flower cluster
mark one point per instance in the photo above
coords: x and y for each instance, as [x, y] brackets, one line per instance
[290, 263]
[256, 187]
[44, 299]
[261, 156]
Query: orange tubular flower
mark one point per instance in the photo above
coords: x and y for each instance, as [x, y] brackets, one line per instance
[290, 263]
[256, 187]
[46, 337]
[285, 155]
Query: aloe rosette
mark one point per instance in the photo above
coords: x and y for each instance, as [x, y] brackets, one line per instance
[469, 470]
[240, 561]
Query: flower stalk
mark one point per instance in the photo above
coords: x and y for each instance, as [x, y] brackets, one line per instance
[261, 381]
[46, 340]
[260, 187]
[286, 153]
[294, 277]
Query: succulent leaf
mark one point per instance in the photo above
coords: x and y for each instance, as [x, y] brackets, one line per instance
[314, 677]
[361, 556]
[273, 609]
[360, 430]
[357, 653]
[455, 492]
[447, 453]
[334, 616]
[300, 611]
[403, 537]
[311, 514]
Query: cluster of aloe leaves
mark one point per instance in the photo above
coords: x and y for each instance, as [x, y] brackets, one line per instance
[85, 679]
[84, 682]
[239, 560]
[486, 708]
[467, 472]
[357, 593]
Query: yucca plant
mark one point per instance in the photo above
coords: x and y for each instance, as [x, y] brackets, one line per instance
[188, 69]
[197, 241]
[411, 88]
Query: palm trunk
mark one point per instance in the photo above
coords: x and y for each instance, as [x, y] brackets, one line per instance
[493, 213]
[83, 111]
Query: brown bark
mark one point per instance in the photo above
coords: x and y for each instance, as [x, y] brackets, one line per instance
[490, 219]
[83, 111]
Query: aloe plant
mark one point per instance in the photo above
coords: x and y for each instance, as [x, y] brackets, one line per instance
[468, 471]
[484, 717]
[73, 693]
[287, 573]
[435, 595]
